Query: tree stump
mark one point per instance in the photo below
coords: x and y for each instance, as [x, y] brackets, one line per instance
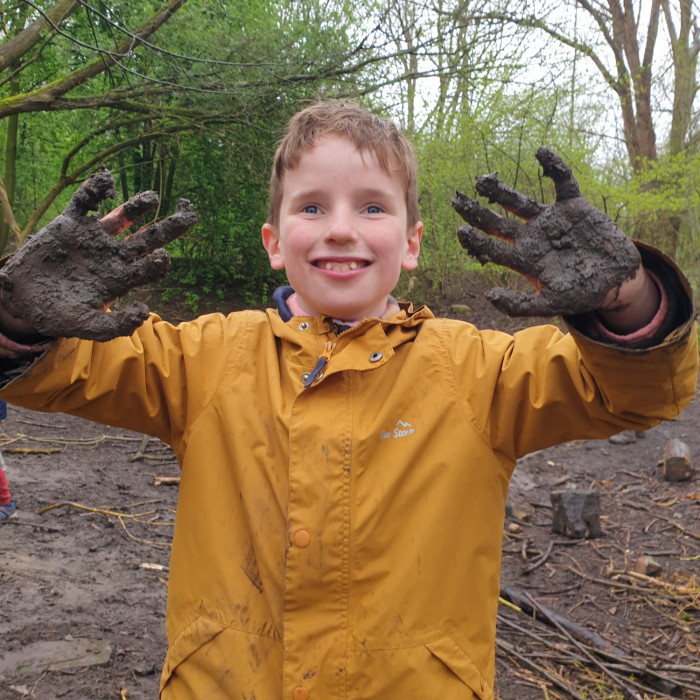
[677, 464]
[576, 513]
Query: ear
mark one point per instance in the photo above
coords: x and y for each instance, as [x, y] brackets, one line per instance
[271, 243]
[410, 257]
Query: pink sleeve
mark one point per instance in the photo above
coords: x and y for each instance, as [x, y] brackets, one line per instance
[11, 348]
[644, 332]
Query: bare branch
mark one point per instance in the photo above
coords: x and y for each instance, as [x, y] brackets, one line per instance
[535, 23]
[41, 100]
[79, 173]
[13, 49]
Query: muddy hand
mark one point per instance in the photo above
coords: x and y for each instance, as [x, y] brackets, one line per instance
[61, 279]
[571, 253]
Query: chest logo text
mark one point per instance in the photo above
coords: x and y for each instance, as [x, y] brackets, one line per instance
[400, 430]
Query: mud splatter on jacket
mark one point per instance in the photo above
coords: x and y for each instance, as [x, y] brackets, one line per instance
[343, 540]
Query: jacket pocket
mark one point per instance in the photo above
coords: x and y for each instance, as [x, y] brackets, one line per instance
[460, 663]
[435, 670]
[195, 636]
[213, 661]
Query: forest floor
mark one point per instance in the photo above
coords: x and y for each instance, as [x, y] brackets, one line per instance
[84, 565]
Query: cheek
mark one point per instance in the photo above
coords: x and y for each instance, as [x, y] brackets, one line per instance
[395, 248]
[296, 242]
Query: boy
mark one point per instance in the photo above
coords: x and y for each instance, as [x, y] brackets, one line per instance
[345, 460]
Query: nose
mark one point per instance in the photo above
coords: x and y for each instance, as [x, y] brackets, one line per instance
[341, 229]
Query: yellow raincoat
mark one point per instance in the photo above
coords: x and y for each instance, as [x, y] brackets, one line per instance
[343, 540]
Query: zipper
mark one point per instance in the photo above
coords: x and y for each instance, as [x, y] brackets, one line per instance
[320, 364]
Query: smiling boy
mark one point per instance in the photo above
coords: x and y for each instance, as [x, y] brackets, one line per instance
[345, 459]
[342, 233]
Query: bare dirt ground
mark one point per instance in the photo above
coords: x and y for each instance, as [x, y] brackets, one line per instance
[84, 565]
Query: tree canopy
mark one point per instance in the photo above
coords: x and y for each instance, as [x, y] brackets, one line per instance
[188, 98]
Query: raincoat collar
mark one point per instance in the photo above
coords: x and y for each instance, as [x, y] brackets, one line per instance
[398, 312]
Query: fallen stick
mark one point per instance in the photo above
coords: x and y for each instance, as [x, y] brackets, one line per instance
[152, 567]
[508, 649]
[540, 560]
[528, 606]
[580, 636]
[684, 530]
[632, 668]
[655, 582]
[88, 442]
[31, 451]
[568, 628]
[166, 480]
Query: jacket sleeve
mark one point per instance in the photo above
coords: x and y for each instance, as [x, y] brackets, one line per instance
[153, 381]
[542, 387]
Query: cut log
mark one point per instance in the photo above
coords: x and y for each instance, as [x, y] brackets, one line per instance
[677, 464]
[576, 513]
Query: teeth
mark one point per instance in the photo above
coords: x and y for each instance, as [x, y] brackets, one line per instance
[341, 267]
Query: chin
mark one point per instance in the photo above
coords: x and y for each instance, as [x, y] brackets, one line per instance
[343, 314]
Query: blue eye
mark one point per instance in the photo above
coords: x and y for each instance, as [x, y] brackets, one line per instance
[373, 209]
[310, 209]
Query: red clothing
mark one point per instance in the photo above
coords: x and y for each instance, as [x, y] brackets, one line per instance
[5, 497]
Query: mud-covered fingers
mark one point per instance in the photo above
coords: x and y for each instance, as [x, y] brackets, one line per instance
[95, 324]
[515, 303]
[484, 219]
[486, 249]
[98, 187]
[555, 168]
[497, 192]
[129, 213]
[135, 273]
[124, 321]
[158, 234]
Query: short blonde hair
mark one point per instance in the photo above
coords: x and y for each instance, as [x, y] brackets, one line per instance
[365, 130]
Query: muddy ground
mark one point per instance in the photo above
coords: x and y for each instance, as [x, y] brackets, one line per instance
[84, 565]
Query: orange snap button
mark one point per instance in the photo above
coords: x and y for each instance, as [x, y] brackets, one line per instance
[300, 693]
[302, 539]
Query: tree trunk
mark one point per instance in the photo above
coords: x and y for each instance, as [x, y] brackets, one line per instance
[685, 45]
[10, 178]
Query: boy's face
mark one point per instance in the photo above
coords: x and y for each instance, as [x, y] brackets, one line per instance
[343, 235]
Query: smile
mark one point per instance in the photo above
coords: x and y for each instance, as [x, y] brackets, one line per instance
[332, 266]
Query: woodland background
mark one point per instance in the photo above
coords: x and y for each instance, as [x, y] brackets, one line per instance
[189, 99]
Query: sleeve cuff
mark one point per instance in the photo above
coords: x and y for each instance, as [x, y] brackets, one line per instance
[673, 321]
[12, 349]
[646, 332]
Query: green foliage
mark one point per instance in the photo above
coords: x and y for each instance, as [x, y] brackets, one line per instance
[202, 104]
[198, 118]
[501, 136]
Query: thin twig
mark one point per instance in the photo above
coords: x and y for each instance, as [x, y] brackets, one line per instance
[552, 679]
[540, 560]
[583, 649]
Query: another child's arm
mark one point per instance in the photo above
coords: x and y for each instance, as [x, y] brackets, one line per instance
[576, 258]
[60, 281]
